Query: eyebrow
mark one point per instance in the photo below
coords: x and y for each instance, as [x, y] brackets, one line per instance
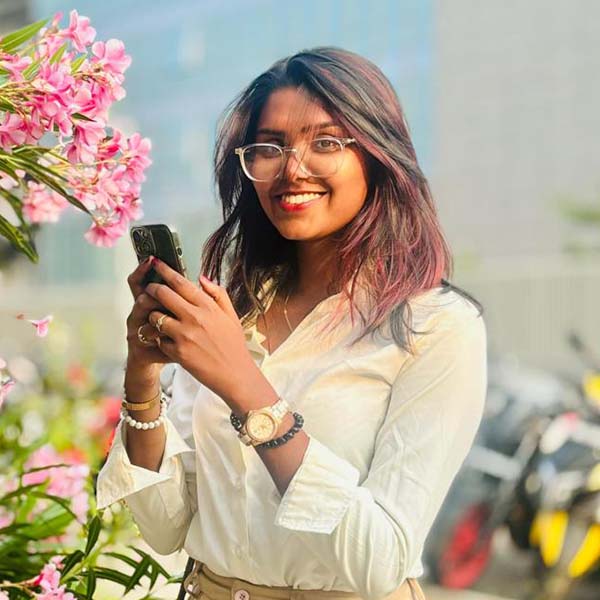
[303, 130]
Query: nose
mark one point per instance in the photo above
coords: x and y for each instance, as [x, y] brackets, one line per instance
[291, 165]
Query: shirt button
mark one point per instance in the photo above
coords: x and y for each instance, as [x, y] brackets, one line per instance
[241, 595]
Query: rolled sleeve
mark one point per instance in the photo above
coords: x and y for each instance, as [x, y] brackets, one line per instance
[119, 478]
[320, 492]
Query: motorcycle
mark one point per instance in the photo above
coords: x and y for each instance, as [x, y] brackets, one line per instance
[527, 456]
[519, 405]
[564, 483]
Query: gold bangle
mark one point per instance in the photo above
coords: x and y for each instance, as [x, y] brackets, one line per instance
[141, 405]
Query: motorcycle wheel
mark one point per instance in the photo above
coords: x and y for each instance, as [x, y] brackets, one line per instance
[519, 521]
[466, 552]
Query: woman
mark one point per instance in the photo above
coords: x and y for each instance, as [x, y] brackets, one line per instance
[327, 214]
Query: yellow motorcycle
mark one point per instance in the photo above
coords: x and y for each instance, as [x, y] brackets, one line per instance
[565, 482]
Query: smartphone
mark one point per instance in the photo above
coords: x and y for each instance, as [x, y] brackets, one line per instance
[158, 240]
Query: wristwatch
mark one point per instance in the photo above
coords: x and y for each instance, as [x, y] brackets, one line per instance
[261, 424]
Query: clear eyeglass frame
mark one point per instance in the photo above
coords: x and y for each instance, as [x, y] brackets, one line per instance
[343, 142]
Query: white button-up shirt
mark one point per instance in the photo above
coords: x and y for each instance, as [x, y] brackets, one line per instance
[387, 434]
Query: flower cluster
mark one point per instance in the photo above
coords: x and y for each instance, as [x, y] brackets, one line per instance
[62, 85]
[67, 481]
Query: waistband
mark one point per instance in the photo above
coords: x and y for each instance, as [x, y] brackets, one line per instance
[202, 581]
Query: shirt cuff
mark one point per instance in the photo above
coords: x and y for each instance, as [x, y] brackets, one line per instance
[320, 492]
[118, 478]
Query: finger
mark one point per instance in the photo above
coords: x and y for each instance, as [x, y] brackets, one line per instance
[135, 279]
[220, 296]
[170, 300]
[180, 284]
[168, 325]
[144, 304]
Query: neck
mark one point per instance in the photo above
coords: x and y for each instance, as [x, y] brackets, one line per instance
[315, 269]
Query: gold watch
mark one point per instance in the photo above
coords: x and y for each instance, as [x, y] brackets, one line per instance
[261, 424]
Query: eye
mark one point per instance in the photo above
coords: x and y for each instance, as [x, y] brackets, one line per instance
[264, 151]
[326, 144]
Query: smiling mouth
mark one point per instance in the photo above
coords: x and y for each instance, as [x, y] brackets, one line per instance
[299, 198]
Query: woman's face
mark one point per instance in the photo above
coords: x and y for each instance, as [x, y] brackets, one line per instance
[342, 194]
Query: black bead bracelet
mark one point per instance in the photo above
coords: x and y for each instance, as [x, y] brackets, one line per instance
[298, 422]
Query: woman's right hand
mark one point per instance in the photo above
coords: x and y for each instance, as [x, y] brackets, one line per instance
[143, 359]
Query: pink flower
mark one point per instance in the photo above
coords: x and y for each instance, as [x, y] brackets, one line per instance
[15, 65]
[42, 205]
[111, 56]
[12, 131]
[4, 595]
[137, 152]
[3, 364]
[49, 580]
[41, 325]
[66, 482]
[130, 209]
[105, 235]
[79, 31]
[88, 135]
[85, 102]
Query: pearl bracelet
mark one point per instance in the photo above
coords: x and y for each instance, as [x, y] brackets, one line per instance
[144, 425]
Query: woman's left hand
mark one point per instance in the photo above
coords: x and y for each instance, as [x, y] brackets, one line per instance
[205, 337]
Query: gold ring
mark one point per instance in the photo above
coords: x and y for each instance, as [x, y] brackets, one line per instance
[143, 339]
[158, 323]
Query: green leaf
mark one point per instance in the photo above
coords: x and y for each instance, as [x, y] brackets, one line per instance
[139, 572]
[94, 529]
[32, 69]
[111, 575]
[17, 239]
[81, 117]
[52, 521]
[17, 207]
[13, 40]
[73, 559]
[58, 54]
[91, 584]
[77, 63]
[7, 105]
[126, 559]
[158, 566]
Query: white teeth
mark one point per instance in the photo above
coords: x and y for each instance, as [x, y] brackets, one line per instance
[299, 198]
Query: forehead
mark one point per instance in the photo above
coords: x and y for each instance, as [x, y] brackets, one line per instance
[289, 110]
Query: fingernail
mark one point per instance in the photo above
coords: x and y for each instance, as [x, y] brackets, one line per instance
[154, 261]
[149, 259]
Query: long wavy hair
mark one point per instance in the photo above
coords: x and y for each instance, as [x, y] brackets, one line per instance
[394, 244]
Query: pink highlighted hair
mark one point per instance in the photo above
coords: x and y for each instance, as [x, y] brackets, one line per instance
[394, 245]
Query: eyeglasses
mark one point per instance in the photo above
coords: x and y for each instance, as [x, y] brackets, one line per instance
[321, 157]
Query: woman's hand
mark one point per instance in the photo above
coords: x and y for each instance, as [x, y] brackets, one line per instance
[205, 336]
[142, 359]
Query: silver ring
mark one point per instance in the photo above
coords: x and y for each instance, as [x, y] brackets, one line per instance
[158, 323]
[143, 339]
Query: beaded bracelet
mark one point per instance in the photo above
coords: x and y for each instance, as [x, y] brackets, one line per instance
[144, 425]
[298, 422]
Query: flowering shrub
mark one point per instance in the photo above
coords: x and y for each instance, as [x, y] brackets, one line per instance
[56, 146]
[56, 425]
[57, 421]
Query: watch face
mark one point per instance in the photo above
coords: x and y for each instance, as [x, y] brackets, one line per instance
[260, 426]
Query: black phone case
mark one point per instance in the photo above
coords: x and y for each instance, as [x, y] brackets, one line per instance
[158, 240]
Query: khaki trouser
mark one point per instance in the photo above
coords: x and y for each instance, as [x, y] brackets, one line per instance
[203, 584]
